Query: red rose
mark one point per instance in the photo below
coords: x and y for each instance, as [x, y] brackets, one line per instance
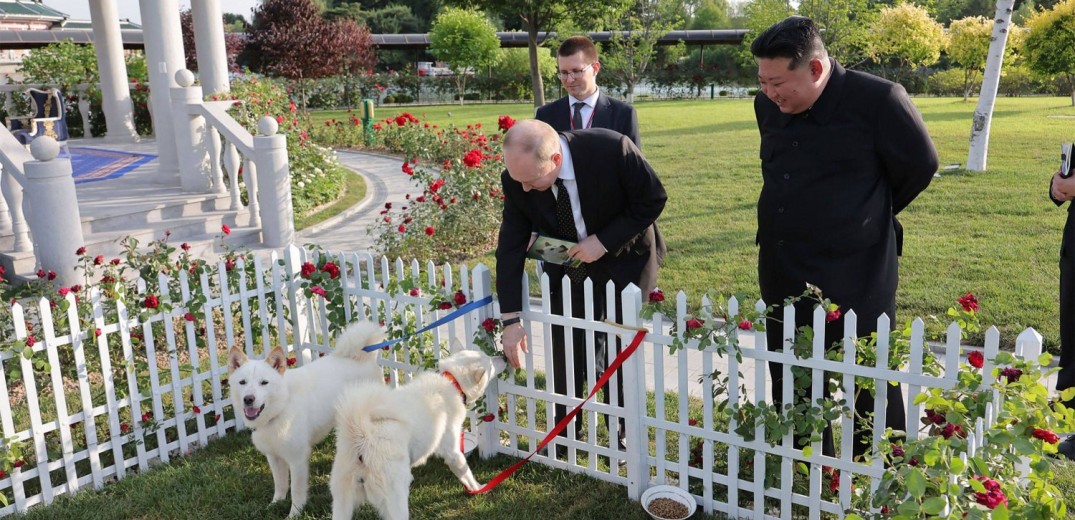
[415, 291]
[124, 428]
[76, 288]
[150, 302]
[1045, 435]
[63, 291]
[993, 496]
[52, 275]
[694, 323]
[656, 296]
[460, 298]
[935, 417]
[832, 315]
[148, 416]
[489, 325]
[473, 159]
[402, 228]
[332, 269]
[185, 246]
[291, 361]
[407, 168]
[225, 229]
[444, 305]
[434, 186]
[196, 409]
[318, 290]
[30, 340]
[969, 302]
[41, 273]
[1012, 374]
[976, 359]
[188, 316]
[80, 251]
[19, 463]
[692, 422]
[952, 429]
[489, 417]
[115, 261]
[96, 332]
[897, 451]
[308, 269]
[430, 230]
[99, 259]
[505, 122]
[745, 325]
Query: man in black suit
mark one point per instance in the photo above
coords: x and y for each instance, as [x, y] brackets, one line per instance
[1062, 189]
[577, 64]
[614, 197]
[843, 152]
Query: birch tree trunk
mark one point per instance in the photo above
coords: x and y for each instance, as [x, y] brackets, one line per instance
[983, 114]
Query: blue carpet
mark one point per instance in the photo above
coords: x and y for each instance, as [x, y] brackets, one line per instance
[94, 164]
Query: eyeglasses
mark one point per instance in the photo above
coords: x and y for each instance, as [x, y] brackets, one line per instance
[574, 73]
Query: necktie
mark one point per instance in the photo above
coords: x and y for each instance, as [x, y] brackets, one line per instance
[565, 221]
[576, 122]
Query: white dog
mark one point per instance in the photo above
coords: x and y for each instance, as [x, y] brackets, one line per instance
[291, 411]
[381, 433]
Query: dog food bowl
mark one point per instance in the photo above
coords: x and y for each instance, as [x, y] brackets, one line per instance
[470, 442]
[663, 502]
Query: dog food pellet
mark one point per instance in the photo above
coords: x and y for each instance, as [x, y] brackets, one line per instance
[667, 508]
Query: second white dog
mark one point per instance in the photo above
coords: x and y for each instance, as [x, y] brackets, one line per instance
[291, 411]
[382, 432]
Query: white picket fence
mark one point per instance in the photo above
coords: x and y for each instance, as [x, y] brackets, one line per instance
[83, 424]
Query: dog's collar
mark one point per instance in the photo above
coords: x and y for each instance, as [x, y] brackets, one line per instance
[455, 383]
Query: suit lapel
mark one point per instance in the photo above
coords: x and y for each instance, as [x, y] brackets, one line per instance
[602, 114]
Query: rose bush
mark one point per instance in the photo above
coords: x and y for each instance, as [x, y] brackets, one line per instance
[456, 210]
[941, 472]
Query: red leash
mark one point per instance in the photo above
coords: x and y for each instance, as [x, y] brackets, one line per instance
[612, 369]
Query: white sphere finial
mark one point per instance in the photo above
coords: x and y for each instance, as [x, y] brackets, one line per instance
[184, 78]
[268, 126]
[44, 148]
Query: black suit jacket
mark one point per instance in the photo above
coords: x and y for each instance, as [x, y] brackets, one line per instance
[608, 113]
[833, 180]
[620, 197]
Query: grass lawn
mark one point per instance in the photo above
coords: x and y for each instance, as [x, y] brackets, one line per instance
[231, 480]
[993, 233]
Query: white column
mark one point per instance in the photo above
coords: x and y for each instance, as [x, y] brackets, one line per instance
[115, 93]
[278, 214]
[164, 56]
[209, 41]
[56, 224]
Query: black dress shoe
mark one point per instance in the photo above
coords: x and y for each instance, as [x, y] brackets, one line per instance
[1067, 447]
[623, 447]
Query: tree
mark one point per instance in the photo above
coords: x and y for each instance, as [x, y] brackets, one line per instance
[289, 38]
[906, 36]
[710, 14]
[233, 41]
[983, 114]
[65, 64]
[541, 16]
[466, 40]
[968, 47]
[1050, 44]
[626, 56]
[235, 23]
[844, 26]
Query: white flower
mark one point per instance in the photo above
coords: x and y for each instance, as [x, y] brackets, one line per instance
[302, 184]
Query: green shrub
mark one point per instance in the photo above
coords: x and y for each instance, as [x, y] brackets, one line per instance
[314, 180]
[945, 83]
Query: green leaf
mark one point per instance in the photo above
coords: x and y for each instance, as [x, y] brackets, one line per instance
[931, 457]
[916, 484]
[1001, 512]
[934, 505]
[920, 398]
[958, 465]
[908, 508]
[807, 451]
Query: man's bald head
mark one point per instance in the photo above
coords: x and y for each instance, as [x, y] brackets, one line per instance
[532, 154]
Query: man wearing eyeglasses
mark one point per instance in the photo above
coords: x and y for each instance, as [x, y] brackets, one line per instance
[577, 65]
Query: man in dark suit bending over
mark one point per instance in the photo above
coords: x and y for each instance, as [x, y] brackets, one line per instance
[842, 153]
[608, 195]
[585, 106]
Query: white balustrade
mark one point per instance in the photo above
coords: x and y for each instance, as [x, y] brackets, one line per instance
[54, 216]
[270, 153]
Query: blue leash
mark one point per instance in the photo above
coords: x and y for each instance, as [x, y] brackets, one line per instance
[467, 307]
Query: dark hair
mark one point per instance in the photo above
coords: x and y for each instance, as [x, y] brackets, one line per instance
[795, 37]
[576, 44]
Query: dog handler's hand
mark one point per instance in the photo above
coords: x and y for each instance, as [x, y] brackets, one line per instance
[514, 338]
[589, 250]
